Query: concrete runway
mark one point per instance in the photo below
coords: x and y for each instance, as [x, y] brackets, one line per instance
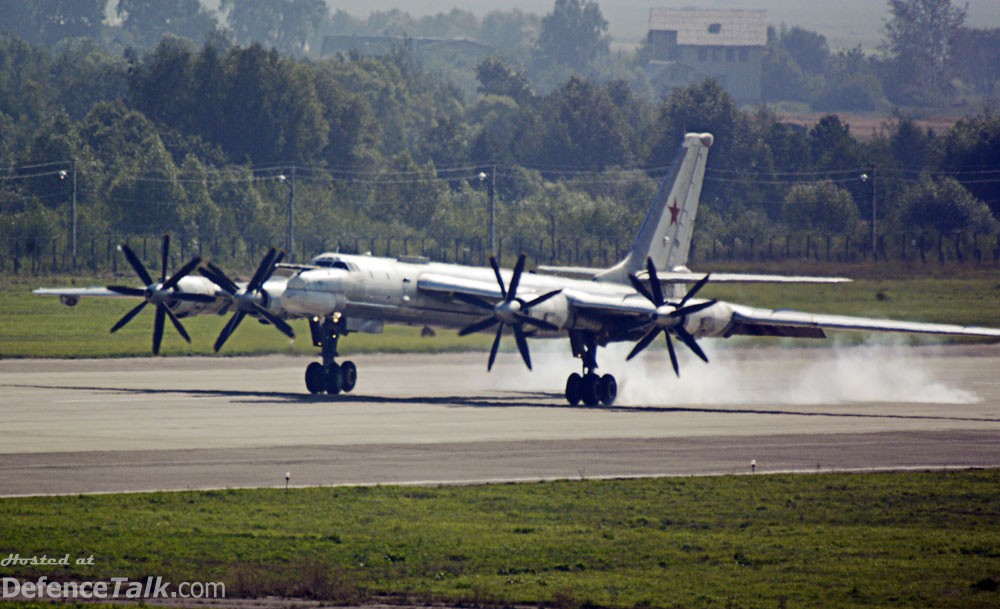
[72, 426]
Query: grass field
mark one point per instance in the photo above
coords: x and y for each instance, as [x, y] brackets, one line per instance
[33, 326]
[830, 540]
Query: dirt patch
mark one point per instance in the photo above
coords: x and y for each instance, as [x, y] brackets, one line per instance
[865, 126]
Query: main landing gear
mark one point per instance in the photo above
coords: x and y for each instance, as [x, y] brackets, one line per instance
[329, 376]
[590, 388]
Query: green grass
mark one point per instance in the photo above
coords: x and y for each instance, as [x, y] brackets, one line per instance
[33, 326]
[831, 540]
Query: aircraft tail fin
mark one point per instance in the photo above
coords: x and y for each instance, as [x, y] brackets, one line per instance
[665, 235]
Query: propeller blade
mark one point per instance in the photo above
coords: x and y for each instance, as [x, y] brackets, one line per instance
[234, 321]
[158, 330]
[522, 345]
[474, 301]
[276, 321]
[654, 282]
[644, 342]
[701, 283]
[184, 271]
[126, 290]
[539, 300]
[496, 271]
[479, 326]
[527, 319]
[262, 269]
[165, 254]
[219, 278]
[175, 321]
[128, 317]
[516, 279]
[688, 340]
[692, 309]
[493, 350]
[637, 284]
[673, 354]
[136, 264]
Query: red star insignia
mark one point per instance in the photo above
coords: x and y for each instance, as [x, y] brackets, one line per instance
[674, 212]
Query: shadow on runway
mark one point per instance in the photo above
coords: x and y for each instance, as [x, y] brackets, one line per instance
[537, 399]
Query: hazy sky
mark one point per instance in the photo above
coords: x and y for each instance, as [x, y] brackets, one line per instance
[845, 23]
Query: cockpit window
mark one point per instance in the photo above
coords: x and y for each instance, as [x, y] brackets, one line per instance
[332, 263]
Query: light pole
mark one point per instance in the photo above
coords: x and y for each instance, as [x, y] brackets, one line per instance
[290, 181]
[865, 178]
[62, 176]
[493, 210]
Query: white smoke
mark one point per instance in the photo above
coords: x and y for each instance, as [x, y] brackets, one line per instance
[832, 374]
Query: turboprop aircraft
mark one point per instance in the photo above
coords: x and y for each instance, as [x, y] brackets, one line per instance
[640, 298]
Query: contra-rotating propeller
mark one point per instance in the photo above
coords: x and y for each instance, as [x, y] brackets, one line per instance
[510, 311]
[669, 317]
[249, 300]
[158, 293]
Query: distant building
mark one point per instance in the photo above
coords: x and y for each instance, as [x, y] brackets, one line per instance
[689, 45]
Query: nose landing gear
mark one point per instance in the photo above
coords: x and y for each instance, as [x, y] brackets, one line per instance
[590, 388]
[329, 376]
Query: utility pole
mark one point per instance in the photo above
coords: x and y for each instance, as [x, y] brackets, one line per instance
[62, 176]
[290, 181]
[492, 230]
[874, 231]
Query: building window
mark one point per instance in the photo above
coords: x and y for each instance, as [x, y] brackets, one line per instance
[702, 54]
[730, 55]
[716, 54]
[714, 28]
[744, 55]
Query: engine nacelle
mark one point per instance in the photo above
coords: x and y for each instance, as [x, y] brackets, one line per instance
[713, 321]
[316, 292]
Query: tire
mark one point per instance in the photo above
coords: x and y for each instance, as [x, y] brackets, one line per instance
[349, 374]
[334, 380]
[608, 389]
[573, 389]
[589, 389]
[315, 379]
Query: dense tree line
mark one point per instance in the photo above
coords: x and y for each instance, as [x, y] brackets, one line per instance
[208, 141]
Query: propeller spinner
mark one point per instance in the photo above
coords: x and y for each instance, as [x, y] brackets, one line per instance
[158, 293]
[669, 317]
[511, 311]
[248, 300]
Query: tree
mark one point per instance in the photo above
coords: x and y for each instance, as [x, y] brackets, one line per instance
[574, 34]
[820, 206]
[851, 84]
[976, 59]
[807, 48]
[919, 38]
[971, 152]
[283, 24]
[944, 205]
[149, 20]
[51, 21]
[497, 77]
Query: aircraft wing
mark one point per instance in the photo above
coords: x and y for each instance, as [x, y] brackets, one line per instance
[765, 322]
[674, 277]
[77, 293]
[450, 284]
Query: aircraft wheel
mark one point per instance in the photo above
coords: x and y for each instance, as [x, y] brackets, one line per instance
[590, 387]
[315, 380]
[334, 380]
[573, 389]
[608, 389]
[349, 373]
